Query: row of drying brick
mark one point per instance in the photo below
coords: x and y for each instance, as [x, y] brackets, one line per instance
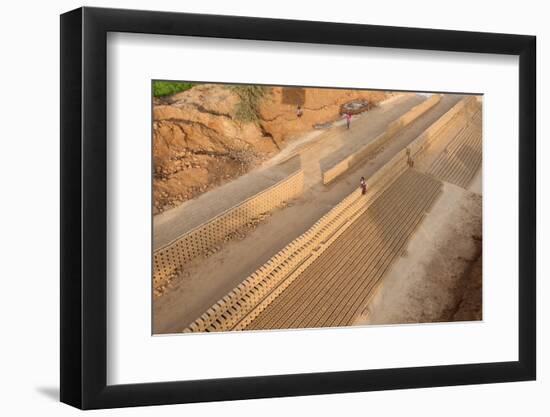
[229, 311]
[336, 288]
[461, 160]
[459, 113]
[170, 259]
[393, 128]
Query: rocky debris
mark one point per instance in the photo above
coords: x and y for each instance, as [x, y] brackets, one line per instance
[160, 286]
[356, 107]
[322, 125]
[248, 227]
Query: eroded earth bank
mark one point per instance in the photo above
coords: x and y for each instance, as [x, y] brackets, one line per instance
[203, 137]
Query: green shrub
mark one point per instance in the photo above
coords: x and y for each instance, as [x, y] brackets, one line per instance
[247, 109]
[165, 88]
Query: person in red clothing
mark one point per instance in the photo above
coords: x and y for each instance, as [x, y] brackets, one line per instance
[348, 119]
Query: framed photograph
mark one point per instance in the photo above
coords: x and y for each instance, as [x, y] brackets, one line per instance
[257, 208]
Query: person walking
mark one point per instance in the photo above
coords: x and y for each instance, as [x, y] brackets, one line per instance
[348, 119]
[299, 112]
[363, 185]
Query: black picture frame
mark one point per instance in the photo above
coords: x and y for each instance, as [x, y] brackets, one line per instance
[84, 207]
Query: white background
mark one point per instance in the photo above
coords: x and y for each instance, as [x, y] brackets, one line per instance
[134, 356]
[30, 266]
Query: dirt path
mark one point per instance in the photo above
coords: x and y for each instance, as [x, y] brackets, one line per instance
[205, 282]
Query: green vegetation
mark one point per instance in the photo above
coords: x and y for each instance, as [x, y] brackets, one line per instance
[165, 88]
[247, 109]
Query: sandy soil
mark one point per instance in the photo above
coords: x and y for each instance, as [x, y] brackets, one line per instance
[469, 307]
[435, 280]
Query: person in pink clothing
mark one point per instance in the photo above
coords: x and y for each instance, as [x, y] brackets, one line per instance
[348, 119]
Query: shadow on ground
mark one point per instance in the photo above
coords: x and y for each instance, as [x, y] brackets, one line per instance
[49, 392]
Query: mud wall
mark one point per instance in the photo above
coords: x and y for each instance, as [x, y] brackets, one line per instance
[169, 259]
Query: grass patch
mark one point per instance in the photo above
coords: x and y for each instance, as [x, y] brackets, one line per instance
[166, 88]
[247, 109]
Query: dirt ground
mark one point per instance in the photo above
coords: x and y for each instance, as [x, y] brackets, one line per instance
[439, 277]
[470, 307]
